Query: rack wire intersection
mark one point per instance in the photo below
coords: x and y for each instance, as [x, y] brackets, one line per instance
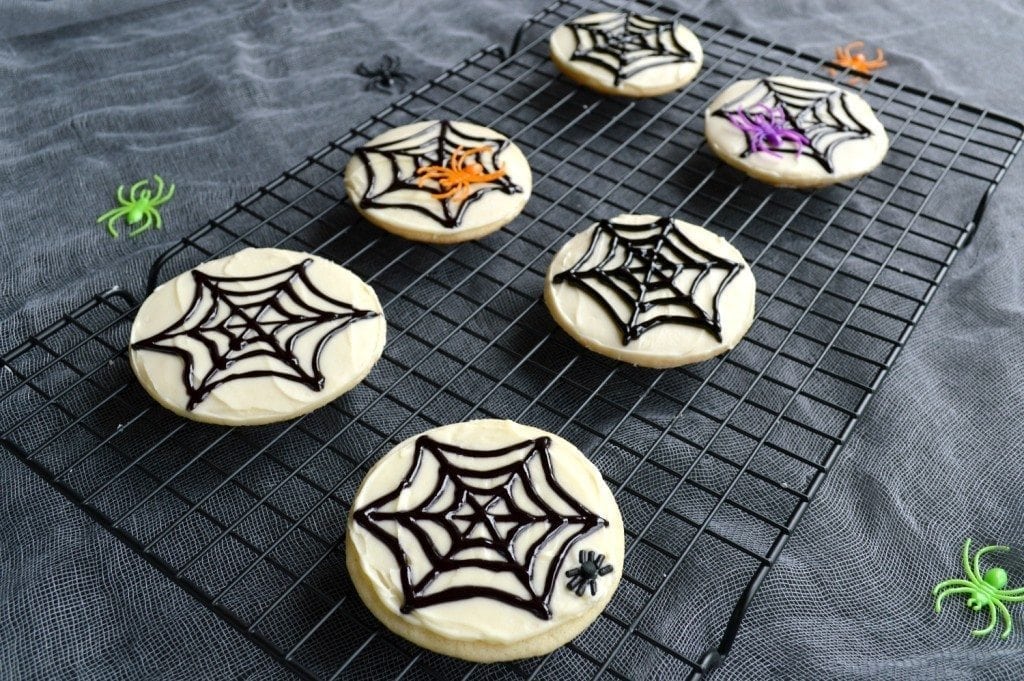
[712, 465]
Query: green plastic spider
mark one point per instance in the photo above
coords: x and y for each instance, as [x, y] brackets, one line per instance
[140, 206]
[983, 591]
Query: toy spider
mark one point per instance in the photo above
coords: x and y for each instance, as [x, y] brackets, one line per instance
[385, 74]
[457, 177]
[982, 591]
[767, 128]
[141, 205]
[591, 567]
[858, 61]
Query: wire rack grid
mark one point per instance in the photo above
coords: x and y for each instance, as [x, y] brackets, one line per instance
[712, 465]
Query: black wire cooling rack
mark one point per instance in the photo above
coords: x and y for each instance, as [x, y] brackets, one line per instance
[713, 465]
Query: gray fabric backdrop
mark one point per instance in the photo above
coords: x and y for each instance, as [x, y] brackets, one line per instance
[222, 96]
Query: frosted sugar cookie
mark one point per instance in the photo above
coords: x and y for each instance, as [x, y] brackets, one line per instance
[439, 181]
[651, 291]
[622, 53]
[486, 540]
[795, 133]
[260, 336]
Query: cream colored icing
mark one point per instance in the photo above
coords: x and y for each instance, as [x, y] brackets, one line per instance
[850, 159]
[345, 359]
[646, 83]
[664, 345]
[486, 213]
[485, 619]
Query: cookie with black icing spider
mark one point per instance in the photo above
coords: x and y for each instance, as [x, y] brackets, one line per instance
[439, 181]
[792, 132]
[626, 54]
[485, 540]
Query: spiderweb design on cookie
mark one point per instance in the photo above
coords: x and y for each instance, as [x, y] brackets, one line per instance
[502, 511]
[234, 324]
[649, 274]
[822, 115]
[627, 44]
[395, 183]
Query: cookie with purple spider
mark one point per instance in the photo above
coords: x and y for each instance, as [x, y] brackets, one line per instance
[791, 132]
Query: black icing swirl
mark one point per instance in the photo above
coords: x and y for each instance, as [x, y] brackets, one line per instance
[627, 44]
[633, 272]
[483, 501]
[234, 320]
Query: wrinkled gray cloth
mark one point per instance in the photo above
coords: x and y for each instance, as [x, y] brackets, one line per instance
[220, 97]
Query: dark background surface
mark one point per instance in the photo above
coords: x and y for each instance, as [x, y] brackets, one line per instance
[220, 98]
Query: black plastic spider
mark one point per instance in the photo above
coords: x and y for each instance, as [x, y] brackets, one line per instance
[385, 74]
[591, 567]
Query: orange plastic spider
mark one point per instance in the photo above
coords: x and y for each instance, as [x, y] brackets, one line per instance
[858, 61]
[456, 177]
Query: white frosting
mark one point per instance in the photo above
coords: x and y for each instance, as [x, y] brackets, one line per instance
[484, 214]
[646, 83]
[663, 345]
[478, 618]
[345, 359]
[850, 159]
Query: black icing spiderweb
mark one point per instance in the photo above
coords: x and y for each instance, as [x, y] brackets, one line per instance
[627, 44]
[822, 114]
[648, 274]
[235, 324]
[395, 184]
[500, 511]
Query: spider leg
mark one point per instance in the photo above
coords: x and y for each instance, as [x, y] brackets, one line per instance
[135, 188]
[159, 221]
[120, 196]
[363, 71]
[982, 552]
[161, 200]
[110, 226]
[991, 624]
[159, 186]
[1011, 595]
[112, 214]
[948, 583]
[1007, 620]
[960, 590]
[111, 217]
[967, 562]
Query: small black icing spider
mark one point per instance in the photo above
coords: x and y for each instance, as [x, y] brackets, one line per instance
[591, 567]
[385, 74]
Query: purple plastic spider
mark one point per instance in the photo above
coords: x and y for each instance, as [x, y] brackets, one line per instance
[767, 128]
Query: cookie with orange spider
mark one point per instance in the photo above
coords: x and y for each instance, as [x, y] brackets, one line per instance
[439, 181]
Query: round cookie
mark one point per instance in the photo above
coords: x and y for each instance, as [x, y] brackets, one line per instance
[439, 181]
[652, 291]
[791, 132]
[485, 540]
[260, 336]
[627, 54]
